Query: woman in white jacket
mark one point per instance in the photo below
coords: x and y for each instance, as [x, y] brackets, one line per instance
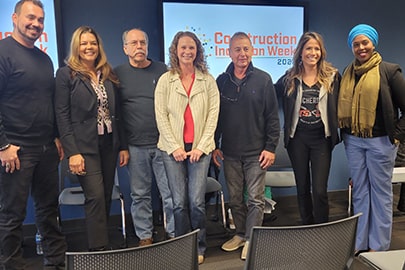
[187, 107]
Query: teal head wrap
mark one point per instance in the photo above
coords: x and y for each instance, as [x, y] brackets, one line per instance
[363, 29]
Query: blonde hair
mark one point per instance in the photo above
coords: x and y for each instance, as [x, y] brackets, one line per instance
[199, 62]
[101, 64]
[325, 69]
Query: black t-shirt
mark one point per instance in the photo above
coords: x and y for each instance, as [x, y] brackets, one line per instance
[309, 114]
[137, 94]
[27, 88]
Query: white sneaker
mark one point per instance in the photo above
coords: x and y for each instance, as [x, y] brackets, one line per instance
[244, 251]
[200, 259]
[234, 243]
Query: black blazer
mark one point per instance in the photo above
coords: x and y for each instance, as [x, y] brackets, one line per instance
[76, 113]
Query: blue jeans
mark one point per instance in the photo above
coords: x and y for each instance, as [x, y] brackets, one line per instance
[371, 162]
[240, 173]
[146, 163]
[188, 183]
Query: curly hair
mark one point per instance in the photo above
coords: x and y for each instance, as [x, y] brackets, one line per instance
[101, 64]
[200, 62]
[325, 69]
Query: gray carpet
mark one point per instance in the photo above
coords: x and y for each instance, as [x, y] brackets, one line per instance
[286, 213]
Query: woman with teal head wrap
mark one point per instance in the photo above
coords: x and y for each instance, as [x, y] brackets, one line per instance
[363, 29]
[371, 128]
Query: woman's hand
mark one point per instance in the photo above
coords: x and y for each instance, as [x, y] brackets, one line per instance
[76, 164]
[194, 155]
[179, 155]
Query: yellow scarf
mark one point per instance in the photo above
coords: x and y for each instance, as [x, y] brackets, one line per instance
[357, 103]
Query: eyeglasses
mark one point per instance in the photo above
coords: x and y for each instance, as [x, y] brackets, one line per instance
[136, 42]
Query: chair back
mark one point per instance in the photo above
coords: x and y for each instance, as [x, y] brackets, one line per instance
[387, 260]
[66, 178]
[280, 174]
[213, 185]
[308, 247]
[282, 159]
[179, 253]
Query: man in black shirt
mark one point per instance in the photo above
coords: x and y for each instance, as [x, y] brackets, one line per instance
[29, 152]
[138, 78]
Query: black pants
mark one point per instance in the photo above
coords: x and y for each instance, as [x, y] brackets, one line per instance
[39, 171]
[97, 186]
[310, 155]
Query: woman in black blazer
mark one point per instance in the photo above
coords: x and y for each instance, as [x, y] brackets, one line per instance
[88, 122]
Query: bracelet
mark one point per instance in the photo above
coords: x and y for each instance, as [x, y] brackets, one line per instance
[4, 147]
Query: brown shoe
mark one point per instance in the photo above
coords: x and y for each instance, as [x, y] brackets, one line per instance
[145, 242]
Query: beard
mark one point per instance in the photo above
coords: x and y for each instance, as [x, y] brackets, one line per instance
[27, 33]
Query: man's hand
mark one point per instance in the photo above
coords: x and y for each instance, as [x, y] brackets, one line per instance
[58, 144]
[217, 156]
[123, 157]
[9, 158]
[266, 159]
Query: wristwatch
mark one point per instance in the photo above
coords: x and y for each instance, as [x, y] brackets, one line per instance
[4, 147]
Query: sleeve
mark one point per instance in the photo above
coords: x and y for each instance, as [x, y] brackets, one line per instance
[63, 111]
[120, 124]
[3, 84]
[162, 115]
[271, 117]
[279, 87]
[397, 84]
[212, 117]
[218, 130]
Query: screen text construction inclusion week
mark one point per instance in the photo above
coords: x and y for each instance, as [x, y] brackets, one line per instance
[276, 45]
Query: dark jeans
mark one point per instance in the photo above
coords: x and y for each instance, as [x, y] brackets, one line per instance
[310, 155]
[39, 171]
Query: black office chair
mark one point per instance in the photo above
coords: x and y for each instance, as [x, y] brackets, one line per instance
[280, 174]
[214, 185]
[179, 253]
[308, 247]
